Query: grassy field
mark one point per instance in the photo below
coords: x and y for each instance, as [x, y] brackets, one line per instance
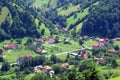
[80, 15]
[79, 26]
[117, 43]
[60, 47]
[40, 3]
[4, 14]
[89, 43]
[66, 12]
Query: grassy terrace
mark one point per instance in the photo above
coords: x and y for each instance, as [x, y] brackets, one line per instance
[60, 47]
[80, 15]
[12, 55]
[66, 12]
[40, 3]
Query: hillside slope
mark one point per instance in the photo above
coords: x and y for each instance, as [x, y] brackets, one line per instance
[104, 20]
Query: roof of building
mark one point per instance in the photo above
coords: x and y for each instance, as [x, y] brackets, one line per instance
[98, 44]
[46, 67]
[63, 64]
[112, 50]
[41, 39]
[10, 45]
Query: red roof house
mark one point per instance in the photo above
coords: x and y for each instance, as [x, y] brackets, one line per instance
[98, 45]
[65, 65]
[50, 39]
[112, 50]
[41, 40]
[85, 56]
[117, 39]
[10, 46]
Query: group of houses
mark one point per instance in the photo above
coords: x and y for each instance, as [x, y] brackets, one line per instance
[48, 70]
[82, 53]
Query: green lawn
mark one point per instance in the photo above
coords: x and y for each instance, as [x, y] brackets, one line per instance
[40, 3]
[44, 3]
[60, 47]
[4, 14]
[79, 26]
[80, 15]
[62, 57]
[89, 42]
[71, 8]
[28, 77]
[117, 43]
[8, 75]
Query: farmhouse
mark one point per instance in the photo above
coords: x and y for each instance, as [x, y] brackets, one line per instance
[100, 60]
[21, 59]
[117, 39]
[65, 65]
[50, 39]
[41, 40]
[10, 46]
[47, 68]
[83, 54]
[34, 43]
[99, 45]
[112, 50]
[37, 69]
[66, 41]
[40, 51]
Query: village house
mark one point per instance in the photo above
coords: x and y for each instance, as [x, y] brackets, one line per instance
[98, 45]
[50, 39]
[85, 38]
[21, 59]
[48, 70]
[41, 51]
[117, 39]
[65, 65]
[83, 54]
[34, 43]
[66, 41]
[100, 60]
[41, 40]
[112, 50]
[38, 69]
[104, 40]
[10, 46]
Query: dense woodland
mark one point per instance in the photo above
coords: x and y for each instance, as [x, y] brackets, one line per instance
[103, 20]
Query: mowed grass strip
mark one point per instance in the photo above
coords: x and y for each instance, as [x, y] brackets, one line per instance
[66, 12]
[40, 3]
[4, 14]
[80, 15]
